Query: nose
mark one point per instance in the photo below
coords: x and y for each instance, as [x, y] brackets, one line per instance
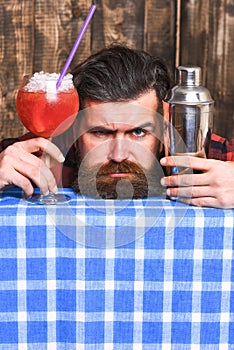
[119, 150]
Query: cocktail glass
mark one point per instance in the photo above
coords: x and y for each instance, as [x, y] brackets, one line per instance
[47, 112]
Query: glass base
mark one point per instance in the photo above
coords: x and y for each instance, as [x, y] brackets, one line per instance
[50, 199]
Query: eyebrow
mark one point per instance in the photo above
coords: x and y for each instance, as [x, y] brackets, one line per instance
[144, 126]
[141, 126]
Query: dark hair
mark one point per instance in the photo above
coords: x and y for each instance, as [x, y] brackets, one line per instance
[118, 73]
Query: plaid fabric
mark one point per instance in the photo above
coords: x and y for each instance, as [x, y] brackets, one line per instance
[169, 287]
[220, 148]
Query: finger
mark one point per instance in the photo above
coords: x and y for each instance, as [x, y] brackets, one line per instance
[19, 167]
[21, 181]
[190, 192]
[187, 162]
[185, 180]
[30, 167]
[14, 178]
[40, 144]
[40, 174]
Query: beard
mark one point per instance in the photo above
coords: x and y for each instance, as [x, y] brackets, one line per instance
[138, 183]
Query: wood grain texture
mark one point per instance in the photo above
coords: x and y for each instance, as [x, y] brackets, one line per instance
[207, 31]
[123, 22]
[159, 30]
[38, 35]
[16, 27]
[57, 24]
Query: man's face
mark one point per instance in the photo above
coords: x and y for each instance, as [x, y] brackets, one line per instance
[118, 144]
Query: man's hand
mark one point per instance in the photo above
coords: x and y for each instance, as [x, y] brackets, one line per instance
[18, 166]
[213, 187]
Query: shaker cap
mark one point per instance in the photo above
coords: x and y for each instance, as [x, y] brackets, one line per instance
[189, 90]
[189, 76]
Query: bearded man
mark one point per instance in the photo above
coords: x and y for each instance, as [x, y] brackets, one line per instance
[118, 139]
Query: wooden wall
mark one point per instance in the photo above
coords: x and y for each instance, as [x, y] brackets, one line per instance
[39, 34]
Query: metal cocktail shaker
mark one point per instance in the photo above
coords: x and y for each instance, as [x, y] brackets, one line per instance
[191, 115]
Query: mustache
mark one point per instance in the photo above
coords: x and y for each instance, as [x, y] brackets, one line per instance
[125, 166]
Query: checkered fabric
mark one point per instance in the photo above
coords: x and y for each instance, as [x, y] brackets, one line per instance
[164, 280]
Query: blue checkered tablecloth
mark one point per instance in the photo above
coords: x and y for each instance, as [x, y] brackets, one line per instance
[126, 275]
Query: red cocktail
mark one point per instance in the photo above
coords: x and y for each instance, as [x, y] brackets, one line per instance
[47, 111]
[42, 109]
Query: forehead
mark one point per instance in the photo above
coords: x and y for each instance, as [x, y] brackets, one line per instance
[132, 113]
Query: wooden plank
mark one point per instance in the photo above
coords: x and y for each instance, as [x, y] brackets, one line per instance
[97, 34]
[220, 76]
[41, 39]
[207, 40]
[16, 27]
[57, 24]
[123, 22]
[159, 30]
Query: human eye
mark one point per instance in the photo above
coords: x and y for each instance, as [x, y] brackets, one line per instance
[139, 132]
[100, 132]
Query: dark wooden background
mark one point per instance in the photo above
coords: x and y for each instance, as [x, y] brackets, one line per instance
[39, 34]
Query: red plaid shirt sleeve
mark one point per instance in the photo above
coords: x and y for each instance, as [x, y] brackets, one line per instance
[221, 148]
[10, 141]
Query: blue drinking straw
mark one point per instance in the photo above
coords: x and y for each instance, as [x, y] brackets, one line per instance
[75, 46]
